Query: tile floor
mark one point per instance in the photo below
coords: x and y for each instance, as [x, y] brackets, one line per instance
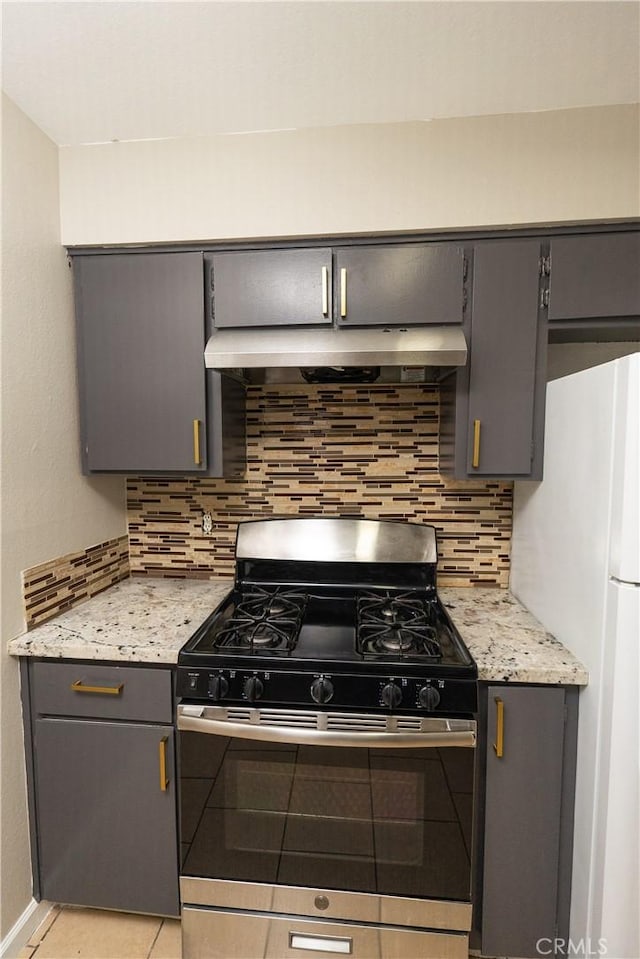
[73, 933]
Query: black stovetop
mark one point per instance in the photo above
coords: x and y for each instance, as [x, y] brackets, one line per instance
[278, 624]
[341, 613]
[345, 648]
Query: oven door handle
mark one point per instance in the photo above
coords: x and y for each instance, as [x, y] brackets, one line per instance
[446, 732]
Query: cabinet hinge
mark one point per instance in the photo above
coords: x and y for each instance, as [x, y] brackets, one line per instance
[464, 299]
[465, 267]
[545, 265]
[544, 298]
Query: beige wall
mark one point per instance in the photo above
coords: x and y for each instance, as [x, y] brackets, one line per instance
[526, 168]
[48, 507]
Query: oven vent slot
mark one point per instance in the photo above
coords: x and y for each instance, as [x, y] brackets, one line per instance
[271, 717]
[311, 719]
[408, 724]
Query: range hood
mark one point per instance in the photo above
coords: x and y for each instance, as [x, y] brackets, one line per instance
[302, 347]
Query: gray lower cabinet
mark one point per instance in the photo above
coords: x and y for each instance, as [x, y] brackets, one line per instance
[269, 288]
[402, 285]
[103, 790]
[146, 402]
[528, 818]
[492, 418]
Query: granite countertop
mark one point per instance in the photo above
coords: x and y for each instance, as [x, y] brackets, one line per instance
[507, 642]
[141, 620]
[147, 620]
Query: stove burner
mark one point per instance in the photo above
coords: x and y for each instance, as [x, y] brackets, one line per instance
[396, 640]
[259, 634]
[396, 624]
[264, 619]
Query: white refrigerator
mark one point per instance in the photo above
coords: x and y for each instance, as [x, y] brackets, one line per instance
[576, 566]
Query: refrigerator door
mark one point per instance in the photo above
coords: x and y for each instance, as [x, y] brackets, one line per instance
[625, 500]
[615, 891]
[560, 550]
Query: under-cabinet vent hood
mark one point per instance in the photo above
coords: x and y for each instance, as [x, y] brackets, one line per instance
[269, 348]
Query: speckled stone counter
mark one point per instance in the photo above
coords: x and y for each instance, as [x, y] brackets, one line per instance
[140, 620]
[507, 642]
[147, 620]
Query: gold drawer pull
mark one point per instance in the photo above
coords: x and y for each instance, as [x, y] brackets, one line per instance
[499, 743]
[197, 459]
[325, 291]
[164, 782]
[79, 687]
[343, 292]
[475, 462]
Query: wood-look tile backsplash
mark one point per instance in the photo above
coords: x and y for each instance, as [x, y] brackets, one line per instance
[369, 451]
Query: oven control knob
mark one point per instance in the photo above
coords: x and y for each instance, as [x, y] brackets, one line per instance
[218, 687]
[253, 688]
[322, 690]
[429, 697]
[391, 695]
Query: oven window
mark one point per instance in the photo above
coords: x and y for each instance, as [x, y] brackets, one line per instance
[394, 822]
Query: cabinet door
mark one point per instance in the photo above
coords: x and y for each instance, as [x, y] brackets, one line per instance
[140, 324]
[271, 288]
[522, 819]
[106, 829]
[594, 276]
[408, 285]
[504, 373]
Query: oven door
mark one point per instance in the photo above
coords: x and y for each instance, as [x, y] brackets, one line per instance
[369, 804]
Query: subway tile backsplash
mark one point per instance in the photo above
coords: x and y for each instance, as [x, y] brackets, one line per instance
[368, 451]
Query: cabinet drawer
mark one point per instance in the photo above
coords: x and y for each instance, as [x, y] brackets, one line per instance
[209, 934]
[102, 692]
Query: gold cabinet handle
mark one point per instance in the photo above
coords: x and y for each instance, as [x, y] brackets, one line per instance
[499, 743]
[475, 462]
[79, 687]
[162, 755]
[343, 292]
[325, 291]
[197, 459]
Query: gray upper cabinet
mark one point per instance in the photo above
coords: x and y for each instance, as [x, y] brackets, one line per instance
[405, 285]
[270, 288]
[147, 404]
[502, 374]
[595, 276]
[493, 411]
[142, 377]
[527, 749]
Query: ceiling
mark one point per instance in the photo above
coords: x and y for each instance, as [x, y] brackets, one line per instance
[102, 71]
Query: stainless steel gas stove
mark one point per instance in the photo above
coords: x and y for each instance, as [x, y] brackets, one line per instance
[327, 733]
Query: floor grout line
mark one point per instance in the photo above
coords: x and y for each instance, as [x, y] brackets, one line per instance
[43, 929]
[155, 938]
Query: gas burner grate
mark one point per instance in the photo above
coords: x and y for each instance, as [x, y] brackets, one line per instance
[397, 625]
[264, 619]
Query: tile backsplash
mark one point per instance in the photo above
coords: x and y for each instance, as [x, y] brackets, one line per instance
[54, 587]
[368, 451]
